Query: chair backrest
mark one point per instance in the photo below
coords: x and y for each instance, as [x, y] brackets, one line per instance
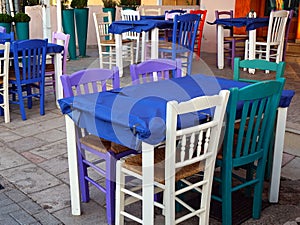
[102, 20]
[30, 60]
[276, 28]
[2, 29]
[170, 14]
[202, 13]
[225, 14]
[260, 64]
[4, 37]
[185, 30]
[286, 35]
[56, 38]
[193, 146]
[151, 12]
[90, 81]
[130, 15]
[4, 65]
[256, 120]
[148, 71]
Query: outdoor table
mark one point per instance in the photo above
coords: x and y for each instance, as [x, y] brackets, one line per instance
[135, 116]
[251, 25]
[139, 26]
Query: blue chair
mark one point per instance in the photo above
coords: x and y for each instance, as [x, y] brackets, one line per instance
[92, 81]
[28, 73]
[164, 69]
[4, 37]
[2, 29]
[246, 147]
[185, 30]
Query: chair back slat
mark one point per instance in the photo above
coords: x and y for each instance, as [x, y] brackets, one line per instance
[161, 68]
[4, 87]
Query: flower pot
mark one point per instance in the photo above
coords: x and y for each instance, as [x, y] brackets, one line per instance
[81, 18]
[7, 26]
[22, 30]
[69, 28]
[112, 10]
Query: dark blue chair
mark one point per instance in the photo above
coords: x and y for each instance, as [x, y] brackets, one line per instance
[185, 30]
[4, 37]
[28, 73]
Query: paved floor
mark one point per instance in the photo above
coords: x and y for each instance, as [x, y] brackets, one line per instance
[34, 167]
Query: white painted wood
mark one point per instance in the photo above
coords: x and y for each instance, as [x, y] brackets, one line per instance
[119, 62]
[73, 166]
[4, 73]
[220, 46]
[58, 72]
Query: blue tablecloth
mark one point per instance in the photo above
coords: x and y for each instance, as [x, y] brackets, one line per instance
[119, 27]
[250, 23]
[160, 17]
[134, 113]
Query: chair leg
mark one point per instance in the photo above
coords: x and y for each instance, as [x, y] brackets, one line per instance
[84, 185]
[29, 93]
[226, 196]
[42, 98]
[21, 103]
[120, 196]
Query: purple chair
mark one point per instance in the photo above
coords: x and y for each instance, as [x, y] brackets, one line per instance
[164, 68]
[84, 82]
[231, 49]
[2, 29]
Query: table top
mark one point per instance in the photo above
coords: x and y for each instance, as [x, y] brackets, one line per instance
[160, 17]
[250, 23]
[119, 27]
[137, 113]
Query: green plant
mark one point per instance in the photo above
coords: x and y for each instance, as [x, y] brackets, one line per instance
[5, 18]
[21, 17]
[79, 4]
[132, 3]
[109, 3]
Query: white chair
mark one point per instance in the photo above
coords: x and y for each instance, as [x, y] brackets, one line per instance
[106, 42]
[131, 15]
[189, 150]
[151, 12]
[4, 65]
[273, 47]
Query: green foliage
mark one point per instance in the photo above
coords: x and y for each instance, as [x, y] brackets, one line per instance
[21, 17]
[5, 18]
[79, 4]
[109, 3]
[132, 3]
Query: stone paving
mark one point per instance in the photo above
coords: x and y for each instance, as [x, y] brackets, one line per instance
[34, 167]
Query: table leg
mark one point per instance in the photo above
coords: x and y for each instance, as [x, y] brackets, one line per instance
[58, 72]
[119, 58]
[73, 166]
[154, 43]
[277, 157]
[251, 47]
[148, 180]
[143, 56]
[220, 46]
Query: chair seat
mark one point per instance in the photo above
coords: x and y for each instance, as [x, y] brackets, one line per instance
[134, 164]
[93, 141]
[237, 38]
[113, 41]
[50, 67]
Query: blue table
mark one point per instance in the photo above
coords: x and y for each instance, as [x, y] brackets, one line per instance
[251, 25]
[135, 116]
[140, 26]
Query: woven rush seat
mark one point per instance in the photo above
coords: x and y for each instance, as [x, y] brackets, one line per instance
[134, 164]
[102, 145]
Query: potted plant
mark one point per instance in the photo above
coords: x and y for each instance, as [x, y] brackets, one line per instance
[110, 6]
[5, 21]
[81, 19]
[129, 4]
[22, 25]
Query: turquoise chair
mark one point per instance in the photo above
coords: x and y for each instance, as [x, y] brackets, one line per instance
[246, 147]
[260, 64]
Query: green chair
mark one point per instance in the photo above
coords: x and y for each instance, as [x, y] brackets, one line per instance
[246, 147]
[256, 64]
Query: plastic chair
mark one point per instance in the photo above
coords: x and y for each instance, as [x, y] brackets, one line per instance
[183, 40]
[232, 43]
[88, 145]
[106, 42]
[189, 149]
[50, 69]
[4, 37]
[4, 65]
[247, 147]
[29, 73]
[257, 64]
[273, 47]
[155, 69]
[130, 15]
[200, 29]
[2, 29]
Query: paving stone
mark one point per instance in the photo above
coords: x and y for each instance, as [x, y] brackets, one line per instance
[32, 157]
[292, 169]
[5, 219]
[46, 218]
[22, 217]
[30, 178]
[8, 209]
[52, 150]
[7, 135]
[56, 165]
[52, 135]
[16, 195]
[30, 206]
[25, 144]
[10, 159]
[5, 200]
